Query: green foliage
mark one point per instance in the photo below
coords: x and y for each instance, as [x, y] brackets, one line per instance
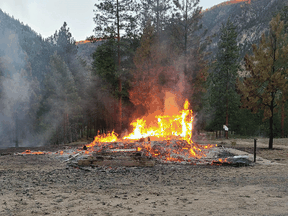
[159, 13]
[144, 52]
[185, 24]
[284, 17]
[224, 99]
[65, 43]
[189, 44]
[60, 96]
[104, 64]
[106, 13]
[266, 83]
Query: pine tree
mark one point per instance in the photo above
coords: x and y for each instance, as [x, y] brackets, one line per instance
[224, 98]
[111, 18]
[185, 23]
[65, 43]
[60, 98]
[158, 12]
[144, 86]
[284, 18]
[104, 64]
[266, 82]
[188, 43]
[154, 73]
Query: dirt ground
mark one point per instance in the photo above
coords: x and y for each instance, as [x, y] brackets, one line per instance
[44, 185]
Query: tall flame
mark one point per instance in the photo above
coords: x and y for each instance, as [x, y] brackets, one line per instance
[172, 132]
[178, 125]
[110, 137]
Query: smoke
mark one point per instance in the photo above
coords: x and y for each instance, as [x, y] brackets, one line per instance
[15, 90]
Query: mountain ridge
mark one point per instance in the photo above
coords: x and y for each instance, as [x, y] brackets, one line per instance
[251, 20]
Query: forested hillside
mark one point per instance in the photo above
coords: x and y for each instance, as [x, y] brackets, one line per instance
[54, 90]
[41, 80]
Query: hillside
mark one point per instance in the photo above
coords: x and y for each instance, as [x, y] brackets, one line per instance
[86, 49]
[251, 21]
[251, 18]
[22, 44]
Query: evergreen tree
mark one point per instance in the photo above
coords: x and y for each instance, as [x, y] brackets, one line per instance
[284, 62]
[284, 17]
[224, 98]
[154, 74]
[158, 12]
[111, 18]
[59, 99]
[145, 84]
[187, 38]
[185, 24]
[65, 43]
[266, 82]
[104, 63]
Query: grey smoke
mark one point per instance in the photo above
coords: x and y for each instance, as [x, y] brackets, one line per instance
[15, 88]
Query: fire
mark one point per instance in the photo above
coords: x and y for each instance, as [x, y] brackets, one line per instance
[169, 126]
[34, 153]
[29, 152]
[110, 137]
[220, 161]
[173, 133]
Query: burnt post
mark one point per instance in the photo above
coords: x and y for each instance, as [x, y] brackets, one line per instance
[255, 140]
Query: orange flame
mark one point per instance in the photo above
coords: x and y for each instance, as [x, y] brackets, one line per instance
[34, 153]
[110, 137]
[173, 134]
[169, 126]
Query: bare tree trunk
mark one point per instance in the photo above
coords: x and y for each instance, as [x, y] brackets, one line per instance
[120, 106]
[226, 132]
[271, 132]
[95, 130]
[87, 130]
[158, 21]
[119, 68]
[69, 129]
[226, 123]
[64, 127]
[90, 128]
[271, 126]
[282, 117]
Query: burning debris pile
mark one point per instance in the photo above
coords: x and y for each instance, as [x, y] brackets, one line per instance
[167, 141]
[163, 151]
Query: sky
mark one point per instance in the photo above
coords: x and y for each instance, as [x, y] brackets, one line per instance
[47, 16]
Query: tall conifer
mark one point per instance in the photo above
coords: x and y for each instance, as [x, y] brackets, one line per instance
[224, 98]
[266, 82]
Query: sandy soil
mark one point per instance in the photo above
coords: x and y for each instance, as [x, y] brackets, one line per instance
[44, 185]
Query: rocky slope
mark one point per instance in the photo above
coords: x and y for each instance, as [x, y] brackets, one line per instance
[251, 20]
